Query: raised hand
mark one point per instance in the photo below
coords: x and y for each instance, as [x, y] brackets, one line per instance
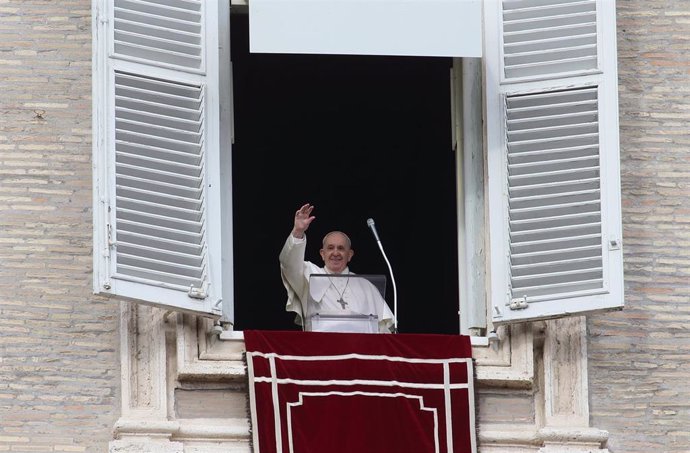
[303, 219]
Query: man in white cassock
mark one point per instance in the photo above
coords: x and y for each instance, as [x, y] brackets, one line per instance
[339, 295]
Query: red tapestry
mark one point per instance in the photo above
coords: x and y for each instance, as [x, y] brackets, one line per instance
[314, 392]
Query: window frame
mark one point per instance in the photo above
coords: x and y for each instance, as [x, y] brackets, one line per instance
[467, 93]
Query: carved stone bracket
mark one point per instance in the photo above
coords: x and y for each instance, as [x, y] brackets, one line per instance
[559, 393]
[157, 349]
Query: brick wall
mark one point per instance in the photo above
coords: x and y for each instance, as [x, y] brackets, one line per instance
[59, 374]
[640, 358]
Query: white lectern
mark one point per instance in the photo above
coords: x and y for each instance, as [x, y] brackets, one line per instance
[345, 303]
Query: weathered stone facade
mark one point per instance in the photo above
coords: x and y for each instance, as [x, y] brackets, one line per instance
[59, 363]
[639, 359]
[60, 346]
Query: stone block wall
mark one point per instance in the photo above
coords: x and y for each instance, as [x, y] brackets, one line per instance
[639, 367]
[59, 362]
[59, 372]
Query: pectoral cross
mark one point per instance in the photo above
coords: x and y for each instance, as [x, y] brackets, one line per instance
[342, 303]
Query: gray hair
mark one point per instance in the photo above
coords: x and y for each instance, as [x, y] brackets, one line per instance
[347, 238]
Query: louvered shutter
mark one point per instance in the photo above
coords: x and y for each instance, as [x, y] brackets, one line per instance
[552, 139]
[156, 153]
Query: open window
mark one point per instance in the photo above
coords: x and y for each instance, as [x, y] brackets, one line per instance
[170, 221]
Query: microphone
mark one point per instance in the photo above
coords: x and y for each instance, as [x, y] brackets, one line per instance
[372, 227]
[370, 224]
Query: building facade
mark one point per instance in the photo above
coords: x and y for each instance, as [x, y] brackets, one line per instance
[82, 372]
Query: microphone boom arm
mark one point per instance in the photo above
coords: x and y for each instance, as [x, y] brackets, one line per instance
[370, 224]
[395, 291]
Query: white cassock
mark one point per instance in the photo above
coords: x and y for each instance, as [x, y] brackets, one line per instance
[361, 296]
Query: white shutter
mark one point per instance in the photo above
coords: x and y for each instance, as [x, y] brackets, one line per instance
[552, 138]
[156, 153]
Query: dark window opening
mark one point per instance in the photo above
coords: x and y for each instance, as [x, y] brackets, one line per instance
[358, 137]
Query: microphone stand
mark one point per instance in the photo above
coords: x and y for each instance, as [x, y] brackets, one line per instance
[372, 226]
[395, 291]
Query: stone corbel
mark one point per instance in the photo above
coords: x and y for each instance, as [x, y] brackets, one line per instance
[143, 424]
[511, 364]
[202, 356]
[564, 417]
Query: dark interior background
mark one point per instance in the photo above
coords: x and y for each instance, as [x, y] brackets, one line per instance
[358, 137]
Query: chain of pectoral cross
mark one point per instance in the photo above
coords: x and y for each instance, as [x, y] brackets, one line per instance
[340, 300]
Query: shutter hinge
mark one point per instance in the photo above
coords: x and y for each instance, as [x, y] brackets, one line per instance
[109, 243]
[518, 303]
[198, 293]
[110, 236]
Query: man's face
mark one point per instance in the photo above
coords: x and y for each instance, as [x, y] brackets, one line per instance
[336, 252]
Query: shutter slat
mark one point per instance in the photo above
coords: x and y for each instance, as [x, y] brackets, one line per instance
[558, 42]
[192, 193]
[555, 199]
[553, 187]
[156, 43]
[542, 23]
[174, 258]
[178, 10]
[550, 244]
[536, 104]
[160, 198]
[160, 232]
[556, 232]
[153, 175]
[548, 38]
[524, 58]
[554, 202]
[158, 90]
[590, 251]
[544, 155]
[529, 8]
[169, 34]
[157, 22]
[139, 149]
[554, 221]
[537, 212]
[565, 33]
[137, 272]
[556, 266]
[163, 165]
[155, 132]
[560, 288]
[546, 167]
[142, 261]
[548, 278]
[147, 53]
[554, 176]
[560, 66]
[137, 239]
[132, 26]
[159, 170]
[160, 220]
[160, 210]
[146, 140]
[554, 143]
[180, 113]
[518, 134]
